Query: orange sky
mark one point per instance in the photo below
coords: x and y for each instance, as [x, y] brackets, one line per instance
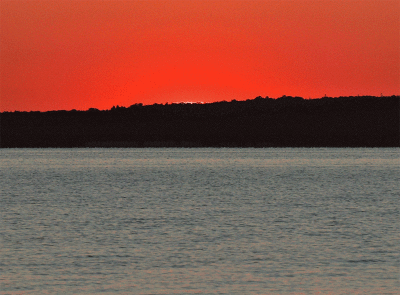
[77, 54]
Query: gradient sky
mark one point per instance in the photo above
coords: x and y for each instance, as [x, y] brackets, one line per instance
[77, 54]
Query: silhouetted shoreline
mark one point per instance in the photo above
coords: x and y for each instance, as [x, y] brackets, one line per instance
[363, 121]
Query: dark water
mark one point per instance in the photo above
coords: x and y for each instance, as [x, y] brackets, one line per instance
[209, 221]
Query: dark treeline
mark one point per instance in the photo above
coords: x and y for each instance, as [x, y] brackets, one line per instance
[262, 122]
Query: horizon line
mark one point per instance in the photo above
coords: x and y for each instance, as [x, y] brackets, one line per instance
[198, 103]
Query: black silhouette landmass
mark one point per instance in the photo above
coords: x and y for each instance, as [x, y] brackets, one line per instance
[362, 121]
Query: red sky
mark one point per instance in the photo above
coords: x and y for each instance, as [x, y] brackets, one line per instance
[77, 54]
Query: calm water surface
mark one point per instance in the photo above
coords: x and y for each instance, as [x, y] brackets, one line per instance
[208, 221]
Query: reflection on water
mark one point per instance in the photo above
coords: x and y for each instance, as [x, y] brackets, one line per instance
[214, 221]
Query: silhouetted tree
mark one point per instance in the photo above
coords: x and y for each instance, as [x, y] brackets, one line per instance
[286, 121]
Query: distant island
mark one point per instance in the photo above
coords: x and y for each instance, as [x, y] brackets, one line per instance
[355, 121]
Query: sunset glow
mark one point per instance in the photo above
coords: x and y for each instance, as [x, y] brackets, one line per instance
[65, 54]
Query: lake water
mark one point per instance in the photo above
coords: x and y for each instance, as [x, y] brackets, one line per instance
[208, 221]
